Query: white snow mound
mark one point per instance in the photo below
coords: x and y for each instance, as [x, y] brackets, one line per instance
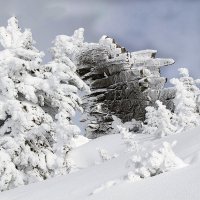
[100, 168]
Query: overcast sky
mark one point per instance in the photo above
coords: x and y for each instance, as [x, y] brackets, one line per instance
[172, 27]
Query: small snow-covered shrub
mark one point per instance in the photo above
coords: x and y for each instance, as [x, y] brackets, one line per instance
[147, 164]
[104, 155]
[150, 161]
[127, 135]
[159, 121]
[131, 126]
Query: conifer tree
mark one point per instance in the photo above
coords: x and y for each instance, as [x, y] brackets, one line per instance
[65, 84]
[186, 105]
[26, 132]
[36, 106]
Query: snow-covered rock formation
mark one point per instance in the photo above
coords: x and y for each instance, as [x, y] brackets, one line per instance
[122, 83]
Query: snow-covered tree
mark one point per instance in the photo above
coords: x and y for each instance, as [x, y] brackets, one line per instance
[63, 96]
[36, 105]
[26, 132]
[159, 120]
[66, 47]
[186, 101]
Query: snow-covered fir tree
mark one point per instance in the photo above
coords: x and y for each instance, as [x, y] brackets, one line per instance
[159, 120]
[36, 105]
[186, 101]
[26, 135]
[64, 83]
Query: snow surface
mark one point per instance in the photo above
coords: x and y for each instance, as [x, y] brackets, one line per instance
[97, 178]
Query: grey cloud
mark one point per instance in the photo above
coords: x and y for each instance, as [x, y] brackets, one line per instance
[170, 26]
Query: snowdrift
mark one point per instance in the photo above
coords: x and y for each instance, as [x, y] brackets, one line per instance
[99, 179]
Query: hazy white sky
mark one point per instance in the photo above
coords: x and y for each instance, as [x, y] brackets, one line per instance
[170, 26]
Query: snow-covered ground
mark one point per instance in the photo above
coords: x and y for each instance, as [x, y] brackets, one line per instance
[104, 179]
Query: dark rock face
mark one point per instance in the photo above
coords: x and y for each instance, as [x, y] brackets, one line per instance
[122, 83]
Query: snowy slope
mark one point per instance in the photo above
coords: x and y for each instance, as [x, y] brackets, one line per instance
[96, 179]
